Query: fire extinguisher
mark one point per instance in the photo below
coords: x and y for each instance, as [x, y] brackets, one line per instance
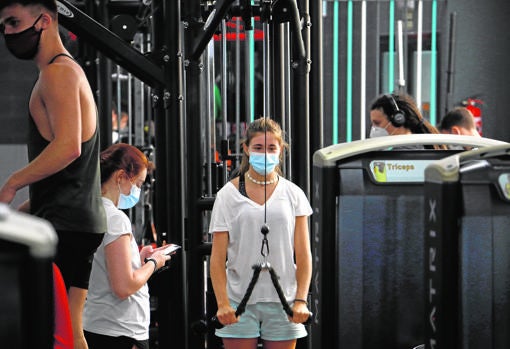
[474, 105]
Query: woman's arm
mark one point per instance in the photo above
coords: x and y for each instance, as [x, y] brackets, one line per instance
[124, 280]
[225, 314]
[303, 268]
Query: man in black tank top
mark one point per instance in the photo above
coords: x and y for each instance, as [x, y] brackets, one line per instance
[63, 169]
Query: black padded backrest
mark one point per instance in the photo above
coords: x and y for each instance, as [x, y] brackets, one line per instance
[468, 251]
[27, 246]
[368, 231]
[368, 250]
[16, 82]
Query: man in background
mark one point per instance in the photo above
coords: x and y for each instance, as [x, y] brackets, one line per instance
[459, 121]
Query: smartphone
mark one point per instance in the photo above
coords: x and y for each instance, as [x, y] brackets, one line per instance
[171, 248]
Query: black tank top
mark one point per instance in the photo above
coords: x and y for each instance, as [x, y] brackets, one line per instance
[69, 199]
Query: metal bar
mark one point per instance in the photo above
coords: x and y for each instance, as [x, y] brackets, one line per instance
[250, 76]
[433, 65]
[109, 43]
[363, 75]
[219, 12]
[391, 47]
[194, 184]
[301, 110]
[279, 81]
[349, 73]
[287, 11]
[419, 54]
[224, 94]
[336, 59]
[208, 125]
[139, 101]
[104, 84]
[118, 93]
[400, 51]
[103, 79]
[451, 62]
[316, 78]
[266, 64]
[130, 107]
[238, 92]
[169, 115]
[287, 120]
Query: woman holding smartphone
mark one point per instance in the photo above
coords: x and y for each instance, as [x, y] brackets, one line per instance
[117, 311]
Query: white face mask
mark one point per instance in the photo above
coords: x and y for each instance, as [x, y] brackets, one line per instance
[377, 131]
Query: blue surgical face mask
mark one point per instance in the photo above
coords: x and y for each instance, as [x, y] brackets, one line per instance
[264, 163]
[128, 201]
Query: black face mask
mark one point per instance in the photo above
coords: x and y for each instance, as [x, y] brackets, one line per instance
[25, 44]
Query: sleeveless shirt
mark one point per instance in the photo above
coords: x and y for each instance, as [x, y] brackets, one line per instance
[71, 198]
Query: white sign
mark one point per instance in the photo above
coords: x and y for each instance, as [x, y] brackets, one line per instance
[397, 171]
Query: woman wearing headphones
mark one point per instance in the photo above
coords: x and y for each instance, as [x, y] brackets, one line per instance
[397, 114]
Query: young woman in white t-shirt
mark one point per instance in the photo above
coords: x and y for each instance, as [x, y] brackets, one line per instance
[261, 196]
[117, 310]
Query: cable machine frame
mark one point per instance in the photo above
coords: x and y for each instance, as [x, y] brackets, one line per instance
[176, 103]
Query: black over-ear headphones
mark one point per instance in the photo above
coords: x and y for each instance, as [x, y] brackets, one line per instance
[396, 117]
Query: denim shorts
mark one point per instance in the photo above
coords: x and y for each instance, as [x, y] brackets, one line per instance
[265, 320]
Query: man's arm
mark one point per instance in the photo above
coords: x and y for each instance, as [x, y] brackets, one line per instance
[57, 113]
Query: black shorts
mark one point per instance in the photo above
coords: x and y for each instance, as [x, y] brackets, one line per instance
[75, 253]
[101, 341]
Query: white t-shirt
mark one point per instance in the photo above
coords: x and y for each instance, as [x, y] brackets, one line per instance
[104, 312]
[243, 219]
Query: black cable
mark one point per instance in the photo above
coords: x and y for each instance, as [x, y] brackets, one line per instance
[279, 290]
[242, 306]
[214, 322]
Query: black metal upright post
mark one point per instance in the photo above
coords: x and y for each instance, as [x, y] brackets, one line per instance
[193, 25]
[316, 130]
[316, 79]
[301, 107]
[104, 100]
[301, 113]
[103, 80]
[278, 82]
[450, 73]
[169, 116]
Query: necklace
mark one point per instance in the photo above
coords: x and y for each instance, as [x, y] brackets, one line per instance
[274, 180]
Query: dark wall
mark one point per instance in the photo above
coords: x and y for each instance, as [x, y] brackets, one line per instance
[481, 60]
[16, 80]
